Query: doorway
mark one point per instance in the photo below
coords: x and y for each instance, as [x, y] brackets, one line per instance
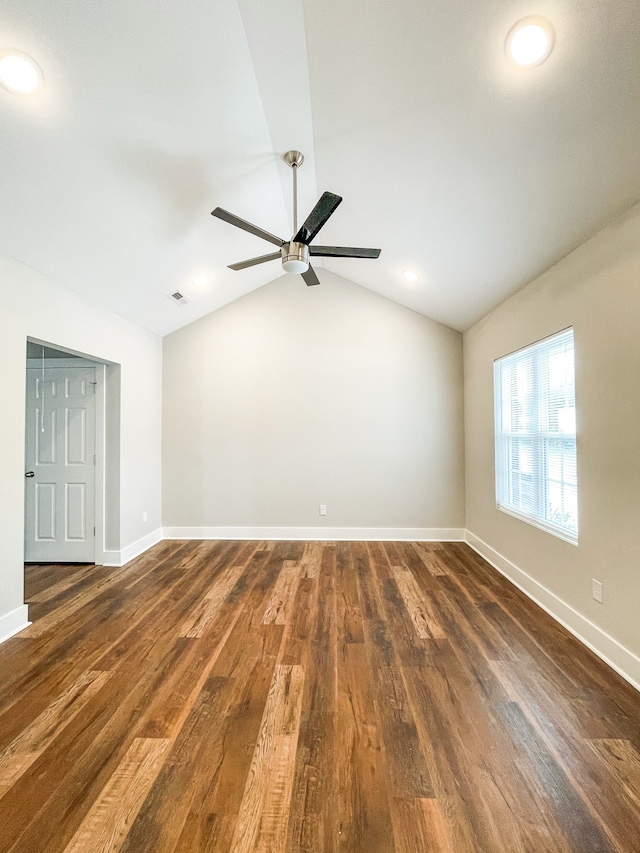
[64, 459]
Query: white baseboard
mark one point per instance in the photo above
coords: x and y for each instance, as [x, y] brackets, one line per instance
[321, 534]
[13, 622]
[608, 649]
[120, 558]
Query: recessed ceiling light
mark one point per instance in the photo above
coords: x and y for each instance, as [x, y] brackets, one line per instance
[201, 280]
[409, 275]
[19, 73]
[530, 42]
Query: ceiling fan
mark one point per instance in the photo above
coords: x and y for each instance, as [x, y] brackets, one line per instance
[295, 253]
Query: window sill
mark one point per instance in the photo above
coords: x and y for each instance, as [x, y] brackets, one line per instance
[565, 535]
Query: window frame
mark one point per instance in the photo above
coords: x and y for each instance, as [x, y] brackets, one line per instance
[506, 441]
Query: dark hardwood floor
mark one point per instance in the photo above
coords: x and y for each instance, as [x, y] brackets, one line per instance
[291, 696]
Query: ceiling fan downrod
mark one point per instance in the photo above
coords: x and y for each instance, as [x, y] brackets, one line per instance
[295, 256]
[294, 159]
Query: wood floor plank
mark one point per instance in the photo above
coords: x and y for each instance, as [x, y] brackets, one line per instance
[39, 577]
[204, 613]
[406, 766]
[311, 560]
[624, 761]
[430, 559]
[476, 632]
[561, 734]
[106, 582]
[53, 619]
[36, 737]
[425, 623]
[297, 634]
[138, 572]
[171, 705]
[224, 719]
[69, 578]
[348, 611]
[409, 648]
[572, 814]
[93, 740]
[32, 701]
[320, 663]
[363, 819]
[315, 798]
[264, 812]
[218, 736]
[280, 603]
[105, 827]
[419, 827]
[161, 822]
[224, 788]
[308, 697]
[480, 816]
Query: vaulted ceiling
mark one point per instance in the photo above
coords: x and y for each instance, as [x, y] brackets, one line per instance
[473, 173]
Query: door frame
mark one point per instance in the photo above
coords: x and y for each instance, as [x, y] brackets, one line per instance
[100, 437]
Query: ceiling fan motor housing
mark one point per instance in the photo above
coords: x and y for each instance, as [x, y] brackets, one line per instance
[295, 257]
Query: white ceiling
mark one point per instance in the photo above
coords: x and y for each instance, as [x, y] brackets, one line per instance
[476, 175]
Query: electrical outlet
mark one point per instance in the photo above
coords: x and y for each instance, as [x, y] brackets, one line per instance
[596, 590]
[323, 509]
[144, 517]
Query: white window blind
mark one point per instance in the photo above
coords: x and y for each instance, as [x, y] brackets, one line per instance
[535, 427]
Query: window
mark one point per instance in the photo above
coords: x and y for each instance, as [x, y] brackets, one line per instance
[535, 422]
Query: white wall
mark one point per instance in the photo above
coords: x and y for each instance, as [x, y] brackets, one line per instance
[596, 290]
[33, 306]
[295, 396]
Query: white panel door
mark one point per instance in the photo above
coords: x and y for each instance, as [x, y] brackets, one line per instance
[60, 465]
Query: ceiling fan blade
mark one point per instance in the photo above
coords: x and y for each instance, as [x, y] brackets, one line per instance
[261, 259]
[317, 218]
[343, 252]
[232, 219]
[310, 277]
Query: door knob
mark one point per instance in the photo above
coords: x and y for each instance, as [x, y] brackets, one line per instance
[29, 474]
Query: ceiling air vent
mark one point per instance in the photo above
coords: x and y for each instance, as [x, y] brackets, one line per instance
[179, 297]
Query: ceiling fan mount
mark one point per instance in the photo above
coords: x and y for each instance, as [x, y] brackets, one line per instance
[293, 158]
[295, 253]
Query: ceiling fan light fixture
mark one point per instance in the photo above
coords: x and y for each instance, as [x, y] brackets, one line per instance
[530, 42]
[295, 257]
